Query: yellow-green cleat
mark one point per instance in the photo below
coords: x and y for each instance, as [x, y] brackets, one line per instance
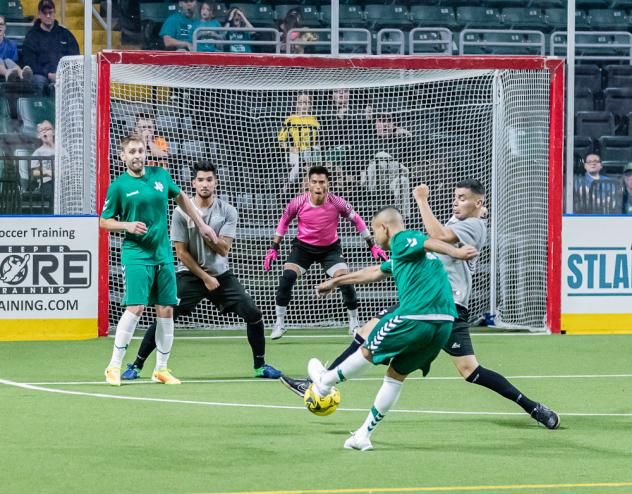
[164, 376]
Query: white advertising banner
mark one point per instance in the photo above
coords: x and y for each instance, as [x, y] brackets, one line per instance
[597, 273]
[48, 276]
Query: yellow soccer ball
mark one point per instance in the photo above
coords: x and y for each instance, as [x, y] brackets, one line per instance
[321, 406]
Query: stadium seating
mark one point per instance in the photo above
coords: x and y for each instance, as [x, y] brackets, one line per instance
[12, 10]
[582, 21]
[5, 116]
[615, 148]
[589, 77]
[259, 15]
[618, 100]
[478, 17]
[583, 99]
[613, 169]
[555, 19]
[387, 16]
[621, 4]
[618, 75]
[608, 19]
[594, 124]
[309, 13]
[32, 111]
[349, 15]
[524, 18]
[582, 146]
[433, 16]
[585, 4]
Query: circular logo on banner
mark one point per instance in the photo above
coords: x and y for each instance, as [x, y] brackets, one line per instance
[13, 269]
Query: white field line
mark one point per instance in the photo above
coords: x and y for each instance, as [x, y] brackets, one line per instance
[252, 380]
[283, 407]
[179, 335]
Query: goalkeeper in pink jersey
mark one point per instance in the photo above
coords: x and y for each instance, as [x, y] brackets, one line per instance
[318, 213]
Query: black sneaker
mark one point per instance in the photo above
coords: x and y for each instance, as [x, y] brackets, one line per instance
[545, 416]
[296, 386]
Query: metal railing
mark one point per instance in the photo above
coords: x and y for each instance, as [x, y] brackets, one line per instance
[221, 40]
[20, 191]
[385, 37]
[106, 24]
[595, 42]
[423, 36]
[509, 38]
[345, 41]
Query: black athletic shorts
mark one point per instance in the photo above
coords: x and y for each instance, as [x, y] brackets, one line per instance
[305, 255]
[229, 296]
[460, 342]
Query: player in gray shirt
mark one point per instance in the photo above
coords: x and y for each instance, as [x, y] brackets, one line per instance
[466, 226]
[203, 271]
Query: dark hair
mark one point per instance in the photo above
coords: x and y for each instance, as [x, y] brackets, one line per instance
[318, 170]
[472, 184]
[45, 5]
[592, 154]
[386, 208]
[293, 20]
[205, 166]
[131, 138]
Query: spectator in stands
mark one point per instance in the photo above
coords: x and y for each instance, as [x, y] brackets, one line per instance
[9, 57]
[593, 166]
[177, 30]
[42, 169]
[237, 19]
[157, 147]
[294, 20]
[627, 189]
[46, 43]
[344, 131]
[206, 20]
[386, 177]
[300, 137]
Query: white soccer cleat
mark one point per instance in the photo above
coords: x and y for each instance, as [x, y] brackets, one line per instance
[113, 376]
[315, 371]
[354, 325]
[278, 330]
[359, 442]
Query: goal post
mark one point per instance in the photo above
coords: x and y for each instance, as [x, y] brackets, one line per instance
[497, 119]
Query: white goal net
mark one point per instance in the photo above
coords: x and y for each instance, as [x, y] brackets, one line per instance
[380, 131]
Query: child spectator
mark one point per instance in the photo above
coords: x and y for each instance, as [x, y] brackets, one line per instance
[207, 20]
[157, 147]
[41, 169]
[237, 19]
[9, 56]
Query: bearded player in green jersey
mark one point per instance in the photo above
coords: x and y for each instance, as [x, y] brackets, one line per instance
[412, 336]
[137, 203]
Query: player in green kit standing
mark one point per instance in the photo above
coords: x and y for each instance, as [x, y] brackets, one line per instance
[412, 336]
[137, 203]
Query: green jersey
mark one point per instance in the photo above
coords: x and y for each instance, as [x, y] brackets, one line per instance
[423, 288]
[143, 199]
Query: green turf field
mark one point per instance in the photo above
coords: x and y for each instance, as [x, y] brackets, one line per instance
[223, 431]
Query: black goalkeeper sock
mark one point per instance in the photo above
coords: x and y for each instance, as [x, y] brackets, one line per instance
[257, 342]
[147, 346]
[350, 350]
[498, 383]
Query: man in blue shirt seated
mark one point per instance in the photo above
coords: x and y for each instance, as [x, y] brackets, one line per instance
[177, 31]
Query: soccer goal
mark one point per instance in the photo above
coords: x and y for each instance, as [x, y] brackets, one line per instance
[407, 120]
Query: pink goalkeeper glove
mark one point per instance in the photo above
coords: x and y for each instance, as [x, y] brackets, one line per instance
[377, 253]
[272, 255]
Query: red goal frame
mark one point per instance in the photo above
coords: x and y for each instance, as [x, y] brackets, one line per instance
[554, 65]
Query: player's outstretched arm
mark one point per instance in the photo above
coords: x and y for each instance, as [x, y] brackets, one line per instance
[433, 226]
[112, 225]
[465, 253]
[370, 274]
[187, 206]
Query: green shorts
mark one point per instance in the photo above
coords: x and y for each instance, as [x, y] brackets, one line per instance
[150, 285]
[408, 344]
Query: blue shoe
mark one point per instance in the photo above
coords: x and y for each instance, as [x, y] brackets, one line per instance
[132, 372]
[268, 372]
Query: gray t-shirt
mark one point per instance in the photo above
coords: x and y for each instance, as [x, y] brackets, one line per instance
[471, 231]
[221, 217]
[46, 165]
